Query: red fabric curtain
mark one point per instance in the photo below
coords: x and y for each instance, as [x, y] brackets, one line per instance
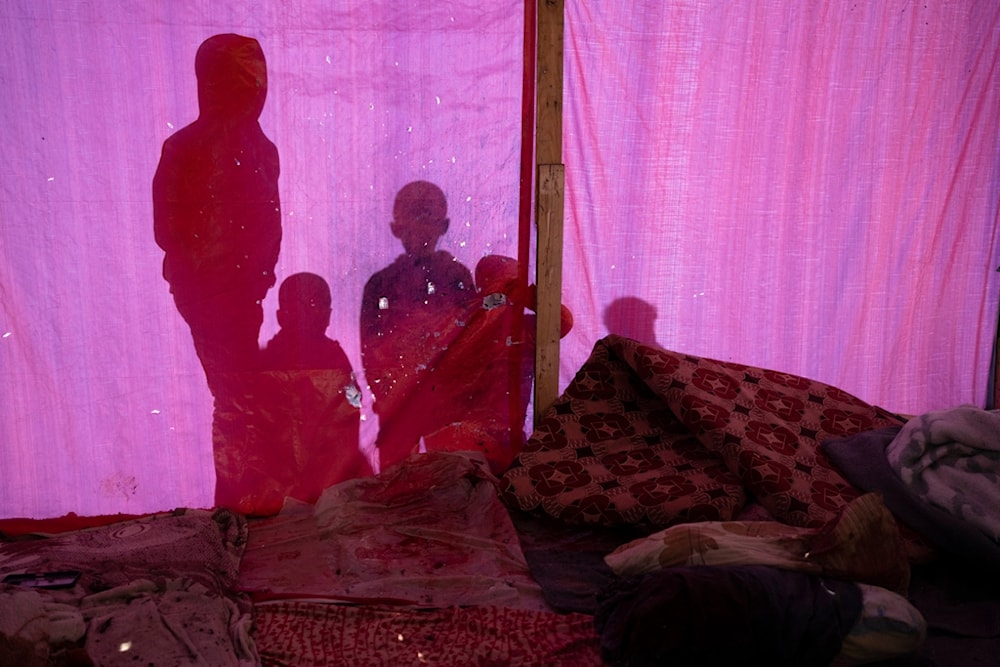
[811, 187]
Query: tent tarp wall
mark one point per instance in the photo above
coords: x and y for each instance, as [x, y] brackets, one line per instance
[811, 187]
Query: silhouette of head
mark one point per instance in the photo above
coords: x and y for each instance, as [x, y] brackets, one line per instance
[631, 317]
[232, 77]
[419, 217]
[304, 304]
[496, 273]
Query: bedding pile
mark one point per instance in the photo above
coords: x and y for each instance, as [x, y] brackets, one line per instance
[419, 565]
[429, 532]
[939, 473]
[667, 507]
[649, 437]
[720, 467]
[155, 590]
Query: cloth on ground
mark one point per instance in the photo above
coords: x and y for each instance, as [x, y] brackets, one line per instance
[157, 588]
[305, 634]
[567, 561]
[428, 532]
[179, 624]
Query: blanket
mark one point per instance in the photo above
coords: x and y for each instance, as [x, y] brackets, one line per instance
[158, 589]
[427, 532]
[952, 458]
[302, 634]
[647, 436]
[727, 615]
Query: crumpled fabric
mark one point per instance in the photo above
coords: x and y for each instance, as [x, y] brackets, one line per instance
[952, 459]
[37, 623]
[179, 624]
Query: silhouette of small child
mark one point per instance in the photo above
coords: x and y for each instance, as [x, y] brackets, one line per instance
[296, 421]
[304, 307]
[411, 312]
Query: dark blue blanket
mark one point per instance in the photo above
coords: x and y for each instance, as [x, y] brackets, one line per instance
[736, 615]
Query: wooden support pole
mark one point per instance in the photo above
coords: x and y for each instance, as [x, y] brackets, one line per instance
[551, 180]
[549, 201]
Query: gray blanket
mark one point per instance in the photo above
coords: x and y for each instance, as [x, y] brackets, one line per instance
[952, 459]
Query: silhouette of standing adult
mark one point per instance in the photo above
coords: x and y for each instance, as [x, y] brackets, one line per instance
[411, 311]
[216, 212]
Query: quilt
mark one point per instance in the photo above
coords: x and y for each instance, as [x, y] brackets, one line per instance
[647, 436]
[951, 458]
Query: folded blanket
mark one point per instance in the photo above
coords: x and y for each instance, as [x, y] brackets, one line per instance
[952, 458]
[429, 532]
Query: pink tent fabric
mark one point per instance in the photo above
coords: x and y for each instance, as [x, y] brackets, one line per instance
[813, 188]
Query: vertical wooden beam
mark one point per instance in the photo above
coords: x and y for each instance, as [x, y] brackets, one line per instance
[549, 281]
[549, 202]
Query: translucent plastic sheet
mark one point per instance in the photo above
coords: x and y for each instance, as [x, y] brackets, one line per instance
[131, 306]
[810, 187]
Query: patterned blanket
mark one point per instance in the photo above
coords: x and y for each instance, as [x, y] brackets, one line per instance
[302, 634]
[952, 459]
[646, 436]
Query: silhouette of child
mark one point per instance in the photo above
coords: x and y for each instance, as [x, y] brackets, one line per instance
[216, 208]
[411, 311]
[292, 427]
[489, 370]
[304, 307]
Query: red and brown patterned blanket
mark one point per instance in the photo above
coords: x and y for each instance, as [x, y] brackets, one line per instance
[309, 633]
[649, 437]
